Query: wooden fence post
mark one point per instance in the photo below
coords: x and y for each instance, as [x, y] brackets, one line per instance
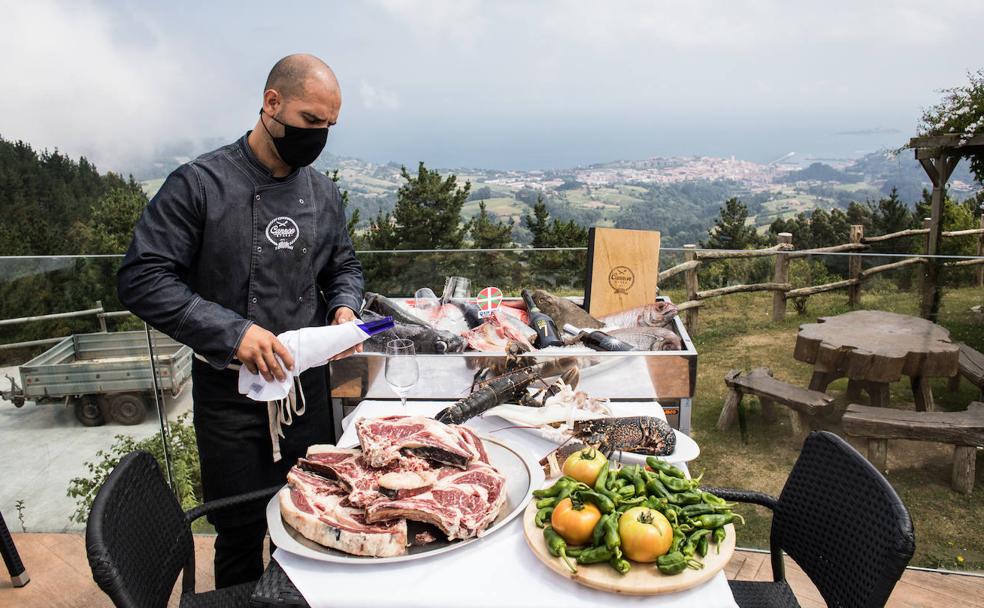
[854, 268]
[980, 252]
[926, 287]
[780, 274]
[690, 278]
[99, 315]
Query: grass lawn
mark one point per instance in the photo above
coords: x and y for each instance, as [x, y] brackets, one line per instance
[736, 331]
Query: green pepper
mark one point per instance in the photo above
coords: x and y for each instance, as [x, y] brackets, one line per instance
[546, 502]
[655, 487]
[598, 534]
[678, 538]
[557, 546]
[711, 499]
[612, 539]
[716, 520]
[672, 563]
[542, 516]
[604, 504]
[674, 483]
[719, 535]
[619, 483]
[695, 510]
[688, 497]
[599, 484]
[656, 503]
[639, 480]
[595, 555]
[575, 551]
[689, 546]
[664, 467]
[635, 501]
[619, 563]
[702, 544]
[554, 489]
[628, 491]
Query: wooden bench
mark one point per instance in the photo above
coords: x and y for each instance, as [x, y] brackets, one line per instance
[964, 430]
[971, 367]
[804, 404]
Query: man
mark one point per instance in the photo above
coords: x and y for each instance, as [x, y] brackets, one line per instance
[239, 245]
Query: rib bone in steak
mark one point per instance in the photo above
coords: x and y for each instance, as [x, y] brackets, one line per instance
[350, 468]
[319, 510]
[461, 503]
[384, 441]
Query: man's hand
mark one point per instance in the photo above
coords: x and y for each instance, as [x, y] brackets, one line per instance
[343, 314]
[257, 351]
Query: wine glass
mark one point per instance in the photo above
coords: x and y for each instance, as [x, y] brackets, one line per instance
[402, 371]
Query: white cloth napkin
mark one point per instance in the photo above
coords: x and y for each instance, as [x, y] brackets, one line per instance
[310, 347]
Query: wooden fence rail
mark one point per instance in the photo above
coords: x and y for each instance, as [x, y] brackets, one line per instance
[783, 253]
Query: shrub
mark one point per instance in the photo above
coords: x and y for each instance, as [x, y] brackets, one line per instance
[184, 463]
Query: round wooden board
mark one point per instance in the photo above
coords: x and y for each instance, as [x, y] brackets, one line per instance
[642, 579]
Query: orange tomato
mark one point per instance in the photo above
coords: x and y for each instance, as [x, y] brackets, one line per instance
[575, 525]
[646, 534]
[585, 465]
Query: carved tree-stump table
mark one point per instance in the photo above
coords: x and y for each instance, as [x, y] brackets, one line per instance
[873, 349]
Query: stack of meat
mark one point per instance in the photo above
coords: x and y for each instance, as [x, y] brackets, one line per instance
[407, 468]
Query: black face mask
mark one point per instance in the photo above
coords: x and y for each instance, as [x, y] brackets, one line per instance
[299, 147]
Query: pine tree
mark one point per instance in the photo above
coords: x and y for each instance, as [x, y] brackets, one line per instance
[111, 222]
[489, 233]
[539, 224]
[428, 211]
[731, 230]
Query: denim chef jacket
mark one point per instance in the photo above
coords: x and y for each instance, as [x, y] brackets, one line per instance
[224, 244]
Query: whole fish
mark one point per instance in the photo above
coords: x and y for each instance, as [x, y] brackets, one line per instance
[426, 340]
[648, 338]
[563, 311]
[381, 305]
[657, 314]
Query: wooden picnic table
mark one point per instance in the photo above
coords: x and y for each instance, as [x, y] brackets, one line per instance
[873, 349]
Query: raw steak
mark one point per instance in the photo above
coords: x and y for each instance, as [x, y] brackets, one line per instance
[461, 503]
[319, 510]
[351, 469]
[384, 441]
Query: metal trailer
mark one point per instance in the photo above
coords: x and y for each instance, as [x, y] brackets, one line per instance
[103, 375]
[666, 377]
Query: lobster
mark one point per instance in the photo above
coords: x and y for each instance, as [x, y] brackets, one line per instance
[510, 386]
[636, 434]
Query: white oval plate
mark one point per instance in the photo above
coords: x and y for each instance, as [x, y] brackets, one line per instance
[523, 475]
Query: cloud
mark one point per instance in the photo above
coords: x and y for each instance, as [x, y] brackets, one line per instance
[94, 81]
[377, 98]
[462, 21]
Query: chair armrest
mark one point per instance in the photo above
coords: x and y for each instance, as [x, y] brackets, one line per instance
[747, 496]
[231, 501]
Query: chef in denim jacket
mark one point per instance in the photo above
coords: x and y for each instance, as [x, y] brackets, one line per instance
[239, 245]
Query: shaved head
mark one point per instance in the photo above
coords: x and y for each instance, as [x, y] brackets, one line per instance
[290, 75]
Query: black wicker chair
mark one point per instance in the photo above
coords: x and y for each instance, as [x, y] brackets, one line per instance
[840, 521]
[138, 539]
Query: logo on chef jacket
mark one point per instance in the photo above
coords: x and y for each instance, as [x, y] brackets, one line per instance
[282, 232]
[621, 279]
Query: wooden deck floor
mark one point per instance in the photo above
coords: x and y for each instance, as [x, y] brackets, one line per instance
[60, 578]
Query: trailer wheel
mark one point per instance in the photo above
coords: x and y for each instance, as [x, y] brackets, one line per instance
[127, 408]
[88, 413]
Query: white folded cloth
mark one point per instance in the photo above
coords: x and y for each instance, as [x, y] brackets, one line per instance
[310, 347]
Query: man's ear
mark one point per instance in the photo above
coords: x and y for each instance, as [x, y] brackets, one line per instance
[271, 101]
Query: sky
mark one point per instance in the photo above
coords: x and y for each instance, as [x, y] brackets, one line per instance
[496, 84]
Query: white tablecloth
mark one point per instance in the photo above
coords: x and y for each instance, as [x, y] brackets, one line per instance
[498, 572]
